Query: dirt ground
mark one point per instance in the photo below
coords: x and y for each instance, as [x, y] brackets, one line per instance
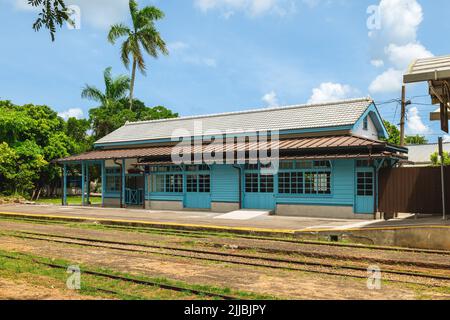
[281, 284]
[276, 283]
[23, 290]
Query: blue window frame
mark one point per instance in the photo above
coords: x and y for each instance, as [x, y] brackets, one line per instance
[113, 179]
[366, 123]
[305, 178]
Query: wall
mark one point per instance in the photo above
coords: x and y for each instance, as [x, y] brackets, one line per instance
[224, 183]
[370, 133]
[343, 187]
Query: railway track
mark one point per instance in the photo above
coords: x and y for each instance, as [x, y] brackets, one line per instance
[172, 231]
[129, 279]
[335, 267]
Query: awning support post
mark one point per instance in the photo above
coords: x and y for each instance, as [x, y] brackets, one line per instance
[103, 182]
[64, 185]
[83, 183]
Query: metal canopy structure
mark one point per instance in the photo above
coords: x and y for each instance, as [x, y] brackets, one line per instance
[435, 71]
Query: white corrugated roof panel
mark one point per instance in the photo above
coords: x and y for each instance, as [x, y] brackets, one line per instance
[326, 115]
[428, 69]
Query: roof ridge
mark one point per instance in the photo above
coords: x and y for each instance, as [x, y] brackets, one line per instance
[287, 107]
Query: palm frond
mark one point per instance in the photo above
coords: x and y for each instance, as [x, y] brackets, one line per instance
[92, 93]
[117, 31]
[119, 87]
[125, 53]
[108, 79]
[134, 11]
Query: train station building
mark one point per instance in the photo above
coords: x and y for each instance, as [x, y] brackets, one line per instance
[316, 160]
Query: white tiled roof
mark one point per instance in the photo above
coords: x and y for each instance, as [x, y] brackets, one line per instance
[313, 116]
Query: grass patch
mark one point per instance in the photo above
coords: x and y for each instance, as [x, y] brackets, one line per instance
[15, 266]
[71, 200]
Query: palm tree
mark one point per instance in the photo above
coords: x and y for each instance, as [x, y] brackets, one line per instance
[143, 33]
[115, 89]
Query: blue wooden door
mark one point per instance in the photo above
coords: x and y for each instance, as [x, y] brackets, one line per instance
[259, 191]
[198, 191]
[365, 193]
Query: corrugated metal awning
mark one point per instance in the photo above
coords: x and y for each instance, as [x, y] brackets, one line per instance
[286, 145]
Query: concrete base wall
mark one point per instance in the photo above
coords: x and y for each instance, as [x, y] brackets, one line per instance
[111, 202]
[164, 205]
[224, 207]
[337, 212]
[420, 237]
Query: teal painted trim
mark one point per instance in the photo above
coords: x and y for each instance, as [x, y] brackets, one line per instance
[103, 169]
[374, 114]
[123, 180]
[282, 132]
[317, 204]
[112, 197]
[83, 189]
[145, 188]
[88, 186]
[65, 185]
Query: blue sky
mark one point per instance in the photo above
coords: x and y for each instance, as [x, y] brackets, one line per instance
[231, 55]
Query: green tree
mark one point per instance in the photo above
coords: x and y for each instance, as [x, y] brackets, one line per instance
[31, 138]
[416, 140]
[53, 14]
[394, 133]
[105, 120]
[436, 160]
[115, 89]
[142, 34]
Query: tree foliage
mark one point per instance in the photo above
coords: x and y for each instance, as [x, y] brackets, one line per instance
[53, 14]
[31, 138]
[436, 159]
[106, 119]
[416, 140]
[394, 133]
[141, 36]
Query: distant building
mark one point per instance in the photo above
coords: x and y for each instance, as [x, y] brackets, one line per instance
[420, 155]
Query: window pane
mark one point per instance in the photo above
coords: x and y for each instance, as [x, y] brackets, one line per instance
[251, 182]
[191, 183]
[266, 184]
[204, 183]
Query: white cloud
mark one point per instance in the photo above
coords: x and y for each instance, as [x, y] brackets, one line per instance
[446, 138]
[177, 46]
[199, 61]
[250, 7]
[403, 56]
[271, 99]
[99, 14]
[415, 123]
[378, 63]
[329, 91]
[400, 20]
[389, 81]
[72, 113]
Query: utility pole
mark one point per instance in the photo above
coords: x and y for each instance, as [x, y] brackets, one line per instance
[403, 116]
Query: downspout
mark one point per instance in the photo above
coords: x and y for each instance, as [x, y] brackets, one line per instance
[240, 184]
[121, 181]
